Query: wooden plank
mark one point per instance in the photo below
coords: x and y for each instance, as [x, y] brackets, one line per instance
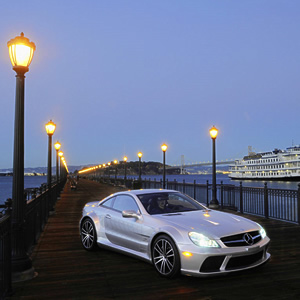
[67, 271]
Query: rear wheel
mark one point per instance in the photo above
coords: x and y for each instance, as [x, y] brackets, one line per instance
[165, 257]
[88, 235]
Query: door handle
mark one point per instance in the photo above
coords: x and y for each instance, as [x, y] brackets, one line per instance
[108, 216]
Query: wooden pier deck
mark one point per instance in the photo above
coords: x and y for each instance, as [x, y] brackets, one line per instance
[66, 271]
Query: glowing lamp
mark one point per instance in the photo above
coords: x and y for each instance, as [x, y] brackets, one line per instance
[164, 147]
[21, 52]
[50, 127]
[60, 153]
[115, 161]
[140, 154]
[213, 132]
[125, 158]
[57, 146]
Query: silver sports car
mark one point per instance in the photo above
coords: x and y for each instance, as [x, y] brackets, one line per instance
[173, 232]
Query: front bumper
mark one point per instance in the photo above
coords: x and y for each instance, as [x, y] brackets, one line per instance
[217, 261]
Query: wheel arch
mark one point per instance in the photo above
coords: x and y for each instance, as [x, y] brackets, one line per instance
[94, 218]
[171, 235]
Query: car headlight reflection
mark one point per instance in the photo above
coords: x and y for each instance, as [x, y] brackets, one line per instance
[202, 241]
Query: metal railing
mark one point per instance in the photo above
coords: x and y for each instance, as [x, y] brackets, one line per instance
[280, 204]
[40, 202]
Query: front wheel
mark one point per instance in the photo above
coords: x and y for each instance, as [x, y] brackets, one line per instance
[165, 257]
[88, 235]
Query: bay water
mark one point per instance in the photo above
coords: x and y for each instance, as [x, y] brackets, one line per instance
[36, 181]
[29, 182]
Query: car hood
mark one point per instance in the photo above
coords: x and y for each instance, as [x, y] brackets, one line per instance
[212, 223]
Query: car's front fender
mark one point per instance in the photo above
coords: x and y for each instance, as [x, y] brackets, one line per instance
[93, 216]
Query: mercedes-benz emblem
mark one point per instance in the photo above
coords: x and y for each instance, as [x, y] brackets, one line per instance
[248, 239]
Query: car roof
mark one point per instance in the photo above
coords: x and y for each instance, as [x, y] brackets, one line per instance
[146, 191]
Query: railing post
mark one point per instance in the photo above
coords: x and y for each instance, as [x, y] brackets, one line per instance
[266, 201]
[241, 198]
[222, 195]
[6, 271]
[167, 183]
[207, 187]
[194, 188]
[175, 185]
[298, 204]
[184, 186]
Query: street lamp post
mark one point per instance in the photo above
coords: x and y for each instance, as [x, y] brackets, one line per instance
[108, 168]
[50, 128]
[116, 169]
[57, 146]
[63, 170]
[164, 148]
[21, 51]
[140, 154]
[125, 169]
[60, 154]
[214, 203]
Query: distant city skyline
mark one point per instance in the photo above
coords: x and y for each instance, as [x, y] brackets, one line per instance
[119, 77]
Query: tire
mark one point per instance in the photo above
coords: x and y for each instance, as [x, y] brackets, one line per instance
[165, 257]
[88, 235]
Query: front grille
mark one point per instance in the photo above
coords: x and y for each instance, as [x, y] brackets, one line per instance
[212, 264]
[240, 239]
[244, 261]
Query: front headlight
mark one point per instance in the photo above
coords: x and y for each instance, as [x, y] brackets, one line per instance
[202, 241]
[262, 232]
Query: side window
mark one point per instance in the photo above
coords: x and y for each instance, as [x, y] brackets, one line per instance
[124, 202]
[109, 202]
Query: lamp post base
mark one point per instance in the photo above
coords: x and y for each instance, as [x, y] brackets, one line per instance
[214, 204]
[24, 275]
[22, 269]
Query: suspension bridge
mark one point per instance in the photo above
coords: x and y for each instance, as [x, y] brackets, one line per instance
[183, 165]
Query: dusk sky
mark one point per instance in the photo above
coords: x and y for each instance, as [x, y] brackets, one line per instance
[118, 77]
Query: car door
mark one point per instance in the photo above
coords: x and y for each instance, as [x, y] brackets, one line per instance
[122, 231]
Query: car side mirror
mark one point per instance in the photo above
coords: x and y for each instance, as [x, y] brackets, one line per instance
[130, 214]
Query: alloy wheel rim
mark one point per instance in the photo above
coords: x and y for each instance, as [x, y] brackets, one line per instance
[87, 234]
[164, 257]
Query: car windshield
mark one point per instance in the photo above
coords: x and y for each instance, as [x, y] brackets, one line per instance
[168, 202]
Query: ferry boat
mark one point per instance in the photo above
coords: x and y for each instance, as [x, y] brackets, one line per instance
[274, 165]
